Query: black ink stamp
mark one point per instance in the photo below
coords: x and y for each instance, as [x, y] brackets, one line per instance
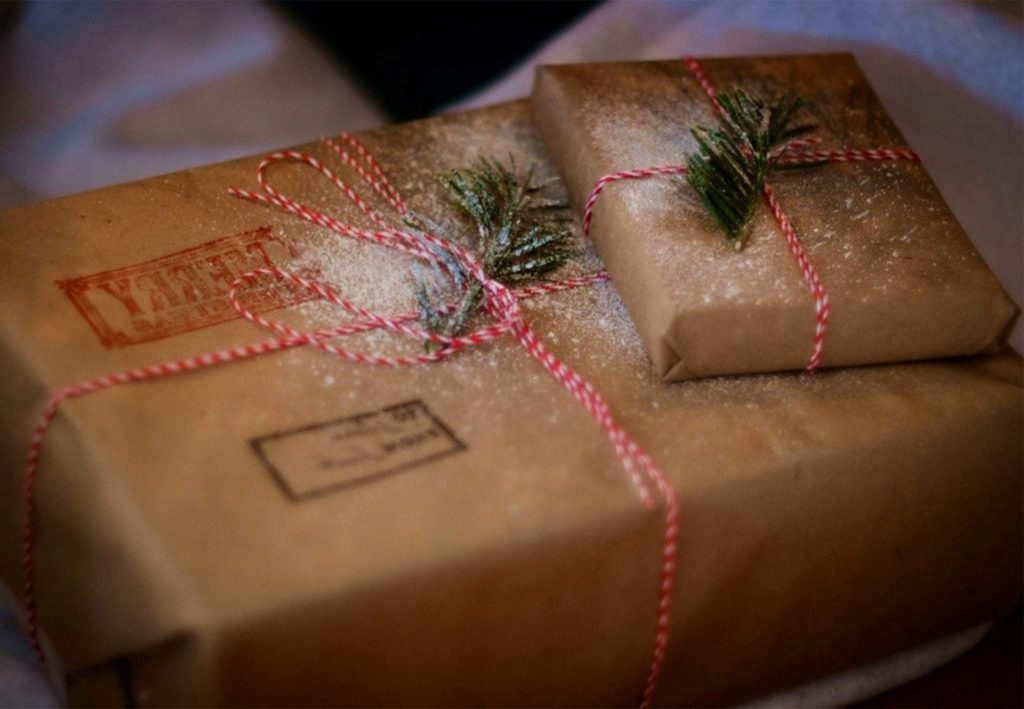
[334, 455]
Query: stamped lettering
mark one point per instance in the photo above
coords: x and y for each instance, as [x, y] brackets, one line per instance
[327, 457]
[184, 291]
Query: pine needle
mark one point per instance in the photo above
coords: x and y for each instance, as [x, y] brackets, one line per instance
[517, 240]
[732, 161]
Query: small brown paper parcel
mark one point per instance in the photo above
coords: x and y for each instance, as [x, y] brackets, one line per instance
[294, 529]
[903, 280]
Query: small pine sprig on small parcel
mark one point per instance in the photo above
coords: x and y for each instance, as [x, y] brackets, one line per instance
[518, 240]
[733, 161]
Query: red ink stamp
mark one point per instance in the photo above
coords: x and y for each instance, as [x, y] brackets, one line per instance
[186, 290]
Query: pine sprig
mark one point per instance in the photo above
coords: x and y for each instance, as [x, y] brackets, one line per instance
[733, 160]
[517, 240]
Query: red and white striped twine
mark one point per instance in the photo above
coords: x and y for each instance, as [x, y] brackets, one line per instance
[791, 154]
[501, 303]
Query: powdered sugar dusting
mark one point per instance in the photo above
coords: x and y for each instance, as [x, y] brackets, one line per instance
[877, 232]
[498, 393]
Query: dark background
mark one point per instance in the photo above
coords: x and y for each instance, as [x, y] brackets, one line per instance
[416, 57]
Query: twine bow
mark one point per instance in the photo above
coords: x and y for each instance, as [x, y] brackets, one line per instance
[501, 304]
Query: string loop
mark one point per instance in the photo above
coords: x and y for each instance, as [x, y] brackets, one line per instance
[501, 304]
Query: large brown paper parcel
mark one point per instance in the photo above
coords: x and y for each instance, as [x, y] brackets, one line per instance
[295, 529]
[904, 281]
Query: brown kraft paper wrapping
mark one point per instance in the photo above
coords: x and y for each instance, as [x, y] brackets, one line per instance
[904, 281]
[298, 530]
